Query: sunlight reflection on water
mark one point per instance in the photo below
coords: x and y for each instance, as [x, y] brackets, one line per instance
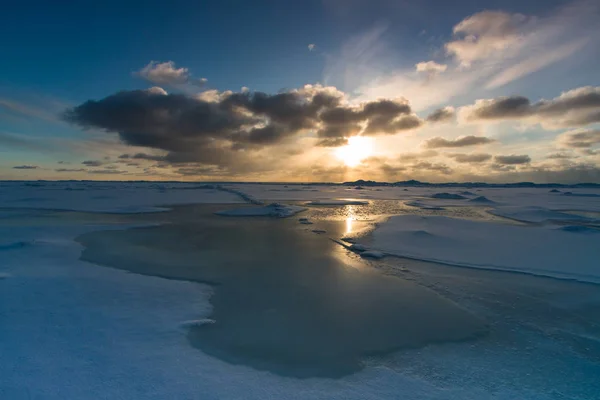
[350, 218]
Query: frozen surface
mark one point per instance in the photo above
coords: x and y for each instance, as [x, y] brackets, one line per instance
[115, 197]
[547, 250]
[148, 196]
[535, 214]
[340, 202]
[73, 330]
[276, 210]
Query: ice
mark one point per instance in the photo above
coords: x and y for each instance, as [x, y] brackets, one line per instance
[341, 202]
[536, 250]
[272, 210]
[74, 330]
[372, 254]
[423, 205]
[481, 200]
[448, 196]
[110, 197]
[534, 214]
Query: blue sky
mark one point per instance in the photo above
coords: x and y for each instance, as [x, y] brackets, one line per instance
[58, 56]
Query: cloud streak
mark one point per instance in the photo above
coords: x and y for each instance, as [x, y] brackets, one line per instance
[464, 141]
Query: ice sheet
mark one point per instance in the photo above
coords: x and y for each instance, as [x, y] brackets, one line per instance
[114, 197]
[548, 250]
[272, 210]
[535, 214]
[79, 331]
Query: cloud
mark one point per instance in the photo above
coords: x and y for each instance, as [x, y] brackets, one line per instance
[142, 156]
[312, 46]
[25, 167]
[106, 171]
[471, 158]
[486, 34]
[488, 50]
[576, 107]
[44, 112]
[580, 138]
[417, 156]
[512, 159]
[536, 63]
[69, 169]
[430, 67]
[93, 163]
[165, 73]
[442, 115]
[228, 128]
[560, 156]
[439, 142]
[435, 167]
[522, 44]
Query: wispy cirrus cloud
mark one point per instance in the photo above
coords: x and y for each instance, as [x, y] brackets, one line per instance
[488, 49]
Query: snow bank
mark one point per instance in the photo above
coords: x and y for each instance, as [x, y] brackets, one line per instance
[537, 250]
[481, 200]
[272, 210]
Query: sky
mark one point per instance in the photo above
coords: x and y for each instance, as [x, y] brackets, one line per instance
[315, 90]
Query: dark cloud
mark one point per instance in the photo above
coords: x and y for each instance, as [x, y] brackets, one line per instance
[438, 142]
[576, 107]
[560, 156]
[435, 167]
[69, 170]
[226, 129]
[141, 156]
[25, 167]
[106, 171]
[471, 158]
[581, 139]
[93, 163]
[512, 159]
[417, 156]
[442, 115]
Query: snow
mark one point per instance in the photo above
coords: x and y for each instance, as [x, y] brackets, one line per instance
[536, 250]
[423, 205]
[372, 254]
[535, 214]
[113, 197]
[481, 200]
[272, 210]
[341, 202]
[74, 330]
[82, 331]
[448, 196]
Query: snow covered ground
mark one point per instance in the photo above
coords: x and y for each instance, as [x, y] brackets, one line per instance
[74, 330]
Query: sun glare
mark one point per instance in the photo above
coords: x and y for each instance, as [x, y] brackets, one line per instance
[357, 149]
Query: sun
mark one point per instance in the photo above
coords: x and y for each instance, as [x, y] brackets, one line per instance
[357, 149]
